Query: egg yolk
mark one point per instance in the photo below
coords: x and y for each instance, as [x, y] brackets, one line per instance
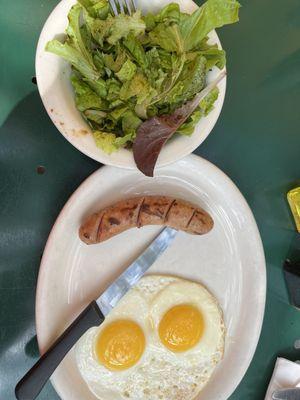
[181, 327]
[120, 345]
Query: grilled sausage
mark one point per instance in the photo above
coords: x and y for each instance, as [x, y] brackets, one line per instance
[141, 211]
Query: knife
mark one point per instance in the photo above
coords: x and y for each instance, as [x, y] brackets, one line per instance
[286, 394]
[93, 315]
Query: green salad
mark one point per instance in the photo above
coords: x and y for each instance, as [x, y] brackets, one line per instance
[126, 69]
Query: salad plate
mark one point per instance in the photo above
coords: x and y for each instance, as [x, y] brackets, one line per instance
[53, 78]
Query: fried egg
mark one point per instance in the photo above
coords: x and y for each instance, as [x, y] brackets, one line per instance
[109, 355]
[162, 341]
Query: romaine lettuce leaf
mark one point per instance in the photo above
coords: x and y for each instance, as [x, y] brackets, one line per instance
[106, 141]
[170, 13]
[156, 73]
[87, 39]
[117, 113]
[109, 142]
[115, 28]
[100, 29]
[99, 86]
[125, 24]
[214, 57]
[168, 38]
[205, 106]
[127, 71]
[100, 9]
[75, 51]
[95, 115]
[138, 86]
[96, 8]
[113, 89]
[212, 14]
[188, 127]
[136, 50]
[121, 141]
[114, 61]
[74, 57]
[130, 122]
[75, 33]
[85, 97]
[190, 82]
[150, 21]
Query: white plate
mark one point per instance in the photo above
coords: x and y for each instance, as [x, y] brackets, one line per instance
[53, 81]
[229, 261]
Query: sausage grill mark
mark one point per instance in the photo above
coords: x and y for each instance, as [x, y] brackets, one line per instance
[190, 220]
[138, 224]
[98, 236]
[168, 210]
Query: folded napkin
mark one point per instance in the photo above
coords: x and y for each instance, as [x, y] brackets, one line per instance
[286, 375]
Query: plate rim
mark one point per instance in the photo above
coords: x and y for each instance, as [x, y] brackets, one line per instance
[128, 162]
[263, 278]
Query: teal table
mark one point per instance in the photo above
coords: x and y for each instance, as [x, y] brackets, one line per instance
[256, 142]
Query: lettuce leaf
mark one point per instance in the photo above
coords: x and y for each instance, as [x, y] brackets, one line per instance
[168, 38]
[136, 50]
[125, 24]
[98, 86]
[115, 28]
[139, 87]
[190, 82]
[214, 57]
[117, 113]
[95, 116]
[130, 122]
[75, 51]
[127, 71]
[170, 13]
[75, 33]
[188, 127]
[156, 72]
[212, 14]
[85, 97]
[74, 57]
[115, 62]
[124, 140]
[106, 141]
[150, 21]
[113, 89]
[205, 106]
[96, 8]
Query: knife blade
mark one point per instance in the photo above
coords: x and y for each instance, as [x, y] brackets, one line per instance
[94, 314]
[135, 271]
[286, 394]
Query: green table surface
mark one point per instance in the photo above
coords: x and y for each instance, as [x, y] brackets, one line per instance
[256, 142]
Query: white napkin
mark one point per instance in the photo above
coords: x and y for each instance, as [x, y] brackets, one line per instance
[286, 375]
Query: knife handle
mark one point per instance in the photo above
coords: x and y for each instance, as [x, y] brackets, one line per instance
[286, 394]
[32, 383]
